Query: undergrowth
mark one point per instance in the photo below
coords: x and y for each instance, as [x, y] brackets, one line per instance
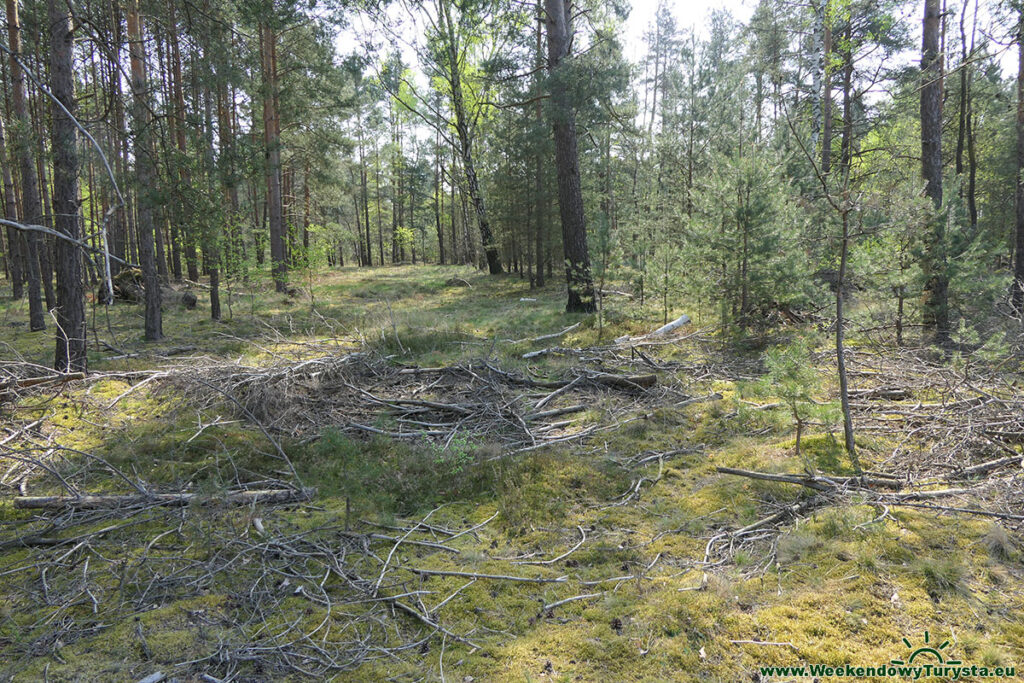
[844, 584]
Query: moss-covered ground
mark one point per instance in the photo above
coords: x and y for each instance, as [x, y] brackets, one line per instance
[844, 584]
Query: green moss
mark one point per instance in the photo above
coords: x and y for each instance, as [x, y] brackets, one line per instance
[844, 588]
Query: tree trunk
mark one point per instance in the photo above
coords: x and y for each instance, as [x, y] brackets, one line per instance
[70, 353]
[368, 258]
[539, 194]
[15, 240]
[188, 237]
[438, 198]
[305, 215]
[462, 128]
[380, 225]
[972, 166]
[272, 156]
[451, 210]
[936, 306]
[1018, 259]
[570, 195]
[826, 98]
[145, 174]
[961, 128]
[31, 207]
[844, 392]
[46, 244]
[846, 137]
[818, 55]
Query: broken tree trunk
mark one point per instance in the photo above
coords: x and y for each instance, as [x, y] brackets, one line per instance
[671, 327]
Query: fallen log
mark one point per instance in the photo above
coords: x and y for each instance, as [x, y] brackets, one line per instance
[662, 331]
[164, 499]
[671, 327]
[36, 381]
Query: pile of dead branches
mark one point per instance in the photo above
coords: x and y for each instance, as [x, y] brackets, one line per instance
[353, 392]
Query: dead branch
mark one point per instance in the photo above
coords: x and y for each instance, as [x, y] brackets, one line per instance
[555, 560]
[824, 483]
[575, 598]
[496, 577]
[164, 499]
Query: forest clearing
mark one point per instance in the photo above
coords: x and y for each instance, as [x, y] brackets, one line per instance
[505, 518]
[490, 340]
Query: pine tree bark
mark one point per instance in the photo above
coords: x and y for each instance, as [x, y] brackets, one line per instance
[972, 163]
[145, 174]
[15, 240]
[961, 128]
[70, 354]
[46, 245]
[570, 194]
[539, 195]
[936, 305]
[1018, 256]
[31, 206]
[188, 238]
[438, 198]
[272, 156]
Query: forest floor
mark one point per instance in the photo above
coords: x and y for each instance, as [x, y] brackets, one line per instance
[480, 516]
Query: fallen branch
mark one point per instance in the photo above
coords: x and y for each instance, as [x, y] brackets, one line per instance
[885, 393]
[816, 483]
[165, 499]
[629, 382]
[553, 335]
[969, 511]
[583, 538]
[762, 642]
[556, 412]
[562, 388]
[36, 381]
[784, 513]
[496, 577]
[559, 603]
[985, 467]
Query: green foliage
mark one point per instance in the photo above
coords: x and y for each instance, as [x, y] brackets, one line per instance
[792, 378]
[390, 476]
[745, 247]
[453, 458]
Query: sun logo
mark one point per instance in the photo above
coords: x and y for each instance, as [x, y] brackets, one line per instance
[925, 650]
